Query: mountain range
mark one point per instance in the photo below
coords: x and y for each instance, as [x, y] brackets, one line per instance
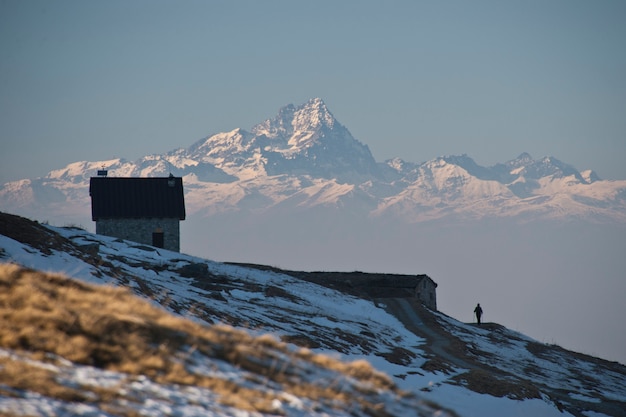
[305, 159]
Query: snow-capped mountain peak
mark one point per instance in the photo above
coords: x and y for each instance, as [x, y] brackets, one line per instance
[284, 161]
[523, 159]
[297, 128]
[313, 115]
[305, 138]
[292, 121]
[590, 176]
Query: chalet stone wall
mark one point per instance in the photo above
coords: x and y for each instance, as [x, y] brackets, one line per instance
[426, 292]
[140, 230]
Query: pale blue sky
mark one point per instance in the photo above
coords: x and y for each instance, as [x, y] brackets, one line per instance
[91, 80]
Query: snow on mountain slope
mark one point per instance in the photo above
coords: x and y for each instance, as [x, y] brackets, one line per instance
[487, 371]
[235, 152]
[275, 162]
[442, 188]
[83, 350]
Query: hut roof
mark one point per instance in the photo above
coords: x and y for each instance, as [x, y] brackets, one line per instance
[120, 197]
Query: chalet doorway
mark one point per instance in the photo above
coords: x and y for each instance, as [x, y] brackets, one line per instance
[158, 239]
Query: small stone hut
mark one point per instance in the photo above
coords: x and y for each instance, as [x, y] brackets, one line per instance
[144, 210]
[374, 285]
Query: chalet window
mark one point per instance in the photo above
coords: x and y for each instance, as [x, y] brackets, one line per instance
[158, 239]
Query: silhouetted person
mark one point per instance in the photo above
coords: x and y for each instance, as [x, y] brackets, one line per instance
[479, 313]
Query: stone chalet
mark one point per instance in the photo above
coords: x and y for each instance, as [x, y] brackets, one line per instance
[375, 285]
[144, 210]
[369, 285]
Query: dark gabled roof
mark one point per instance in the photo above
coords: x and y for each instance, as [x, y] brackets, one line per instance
[115, 197]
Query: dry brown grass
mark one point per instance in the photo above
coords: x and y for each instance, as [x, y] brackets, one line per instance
[22, 375]
[109, 328]
[104, 327]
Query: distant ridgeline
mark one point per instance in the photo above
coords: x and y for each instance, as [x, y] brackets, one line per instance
[371, 285]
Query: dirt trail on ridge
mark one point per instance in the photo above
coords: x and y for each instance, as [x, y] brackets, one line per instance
[407, 311]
